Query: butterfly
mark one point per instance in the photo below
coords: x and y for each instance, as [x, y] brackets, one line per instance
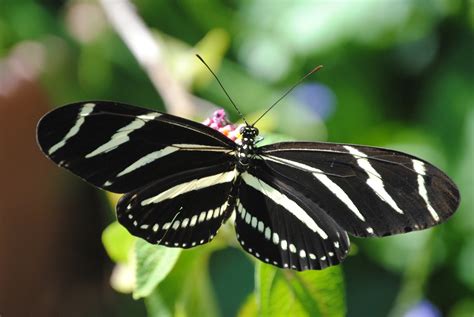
[292, 203]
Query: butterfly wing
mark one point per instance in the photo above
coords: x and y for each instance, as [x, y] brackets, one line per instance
[182, 210]
[120, 148]
[281, 226]
[368, 191]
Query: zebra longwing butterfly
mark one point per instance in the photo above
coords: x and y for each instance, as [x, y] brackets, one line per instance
[294, 202]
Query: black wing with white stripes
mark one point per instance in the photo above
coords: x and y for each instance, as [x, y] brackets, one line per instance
[121, 148]
[182, 210]
[283, 226]
[368, 191]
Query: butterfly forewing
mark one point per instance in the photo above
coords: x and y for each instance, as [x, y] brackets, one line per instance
[367, 190]
[120, 148]
[281, 226]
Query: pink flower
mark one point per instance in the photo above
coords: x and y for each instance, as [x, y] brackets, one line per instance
[219, 122]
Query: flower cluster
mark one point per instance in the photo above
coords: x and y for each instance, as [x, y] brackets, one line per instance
[219, 122]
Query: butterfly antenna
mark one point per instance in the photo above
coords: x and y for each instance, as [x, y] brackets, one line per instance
[314, 70]
[225, 91]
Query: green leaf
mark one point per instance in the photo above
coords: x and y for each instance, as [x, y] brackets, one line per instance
[118, 242]
[153, 265]
[187, 289]
[308, 293]
[249, 308]
[155, 306]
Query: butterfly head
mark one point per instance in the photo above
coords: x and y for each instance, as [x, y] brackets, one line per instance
[248, 133]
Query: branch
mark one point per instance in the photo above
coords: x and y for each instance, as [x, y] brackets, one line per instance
[149, 53]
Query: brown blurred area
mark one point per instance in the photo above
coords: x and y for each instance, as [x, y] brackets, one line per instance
[51, 259]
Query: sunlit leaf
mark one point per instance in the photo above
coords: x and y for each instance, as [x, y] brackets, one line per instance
[249, 308]
[309, 293]
[118, 242]
[187, 289]
[153, 265]
[156, 307]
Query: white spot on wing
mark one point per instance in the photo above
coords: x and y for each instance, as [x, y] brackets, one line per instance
[275, 238]
[193, 221]
[224, 207]
[185, 222]
[176, 225]
[202, 216]
[209, 214]
[254, 222]
[216, 212]
[248, 218]
[268, 233]
[292, 248]
[243, 212]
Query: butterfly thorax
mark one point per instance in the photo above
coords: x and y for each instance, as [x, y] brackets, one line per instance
[246, 151]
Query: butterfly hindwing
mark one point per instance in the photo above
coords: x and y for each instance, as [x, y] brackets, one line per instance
[280, 226]
[183, 210]
[368, 191]
[120, 148]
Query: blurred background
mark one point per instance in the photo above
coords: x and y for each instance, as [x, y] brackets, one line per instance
[396, 74]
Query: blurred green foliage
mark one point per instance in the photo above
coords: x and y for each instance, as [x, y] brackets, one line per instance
[402, 76]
